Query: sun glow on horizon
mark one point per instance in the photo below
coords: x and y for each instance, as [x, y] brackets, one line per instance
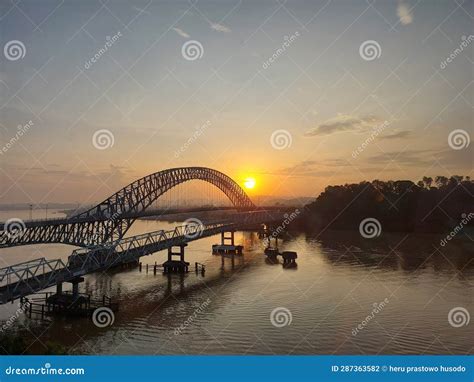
[250, 183]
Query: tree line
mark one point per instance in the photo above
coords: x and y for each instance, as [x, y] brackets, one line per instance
[430, 205]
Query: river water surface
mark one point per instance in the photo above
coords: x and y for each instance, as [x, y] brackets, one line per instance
[317, 307]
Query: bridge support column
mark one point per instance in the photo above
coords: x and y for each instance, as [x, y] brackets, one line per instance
[227, 246]
[75, 286]
[224, 238]
[59, 288]
[271, 251]
[176, 266]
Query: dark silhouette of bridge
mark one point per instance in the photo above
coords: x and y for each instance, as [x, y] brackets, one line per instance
[100, 232]
[110, 220]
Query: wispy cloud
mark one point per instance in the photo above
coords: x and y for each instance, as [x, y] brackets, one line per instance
[181, 33]
[397, 135]
[220, 27]
[404, 13]
[310, 168]
[344, 122]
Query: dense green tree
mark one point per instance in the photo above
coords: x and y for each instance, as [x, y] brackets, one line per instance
[398, 205]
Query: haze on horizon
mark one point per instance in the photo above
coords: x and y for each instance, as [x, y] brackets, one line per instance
[320, 97]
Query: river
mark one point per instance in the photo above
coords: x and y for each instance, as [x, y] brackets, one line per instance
[320, 307]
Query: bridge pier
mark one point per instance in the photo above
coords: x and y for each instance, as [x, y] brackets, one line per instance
[75, 286]
[270, 251]
[227, 245]
[289, 259]
[229, 238]
[176, 266]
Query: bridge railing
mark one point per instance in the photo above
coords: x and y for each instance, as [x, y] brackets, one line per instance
[84, 259]
[31, 274]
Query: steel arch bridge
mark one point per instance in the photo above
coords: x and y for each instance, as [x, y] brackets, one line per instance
[109, 220]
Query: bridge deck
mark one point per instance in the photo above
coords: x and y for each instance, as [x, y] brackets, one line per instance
[26, 278]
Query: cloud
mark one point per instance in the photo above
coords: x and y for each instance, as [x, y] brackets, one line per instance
[310, 168]
[404, 13]
[181, 33]
[398, 135]
[345, 122]
[220, 28]
[405, 158]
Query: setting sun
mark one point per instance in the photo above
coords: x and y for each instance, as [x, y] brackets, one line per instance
[250, 183]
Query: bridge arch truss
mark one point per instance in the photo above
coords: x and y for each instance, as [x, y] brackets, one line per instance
[110, 220]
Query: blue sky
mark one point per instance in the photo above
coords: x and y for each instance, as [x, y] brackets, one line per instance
[320, 91]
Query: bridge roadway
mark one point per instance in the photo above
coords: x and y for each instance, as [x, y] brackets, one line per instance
[146, 213]
[23, 279]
